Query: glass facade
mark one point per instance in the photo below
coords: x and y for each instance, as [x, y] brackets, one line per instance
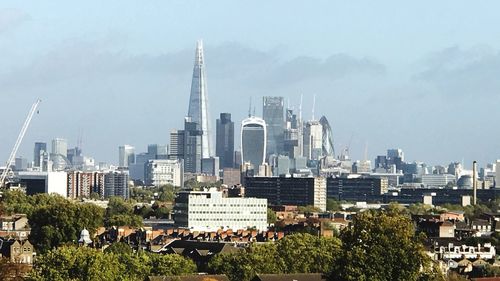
[253, 141]
[273, 114]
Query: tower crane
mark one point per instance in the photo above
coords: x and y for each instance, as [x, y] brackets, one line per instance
[20, 137]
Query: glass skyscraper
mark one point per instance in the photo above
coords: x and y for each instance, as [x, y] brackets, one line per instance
[273, 114]
[224, 142]
[253, 141]
[198, 102]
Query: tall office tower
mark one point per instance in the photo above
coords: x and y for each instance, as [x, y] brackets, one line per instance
[253, 141]
[158, 151]
[292, 140]
[395, 157]
[198, 101]
[193, 140]
[313, 140]
[126, 155]
[73, 154]
[60, 147]
[272, 113]
[497, 174]
[327, 138]
[40, 148]
[21, 164]
[224, 142]
[176, 145]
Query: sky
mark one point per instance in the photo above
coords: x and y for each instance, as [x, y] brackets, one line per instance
[421, 76]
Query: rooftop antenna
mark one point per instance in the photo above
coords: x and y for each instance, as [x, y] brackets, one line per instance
[314, 105]
[250, 108]
[300, 108]
[366, 150]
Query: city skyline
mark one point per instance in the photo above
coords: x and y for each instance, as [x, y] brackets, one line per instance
[422, 98]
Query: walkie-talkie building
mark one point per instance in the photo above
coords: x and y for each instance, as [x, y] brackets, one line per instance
[253, 141]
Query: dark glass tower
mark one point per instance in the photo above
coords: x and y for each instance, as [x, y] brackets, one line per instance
[40, 147]
[224, 143]
[273, 114]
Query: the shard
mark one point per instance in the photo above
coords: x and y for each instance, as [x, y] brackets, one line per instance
[198, 101]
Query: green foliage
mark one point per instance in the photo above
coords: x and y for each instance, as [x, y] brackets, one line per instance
[82, 263]
[121, 213]
[304, 253]
[271, 216]
[333, 205]
[380, 246]
[308, 209]
[297, 253]
[119, 248]
[58, 223]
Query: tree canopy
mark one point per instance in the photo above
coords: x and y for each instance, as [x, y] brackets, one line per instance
[82, 263]
[380, 246]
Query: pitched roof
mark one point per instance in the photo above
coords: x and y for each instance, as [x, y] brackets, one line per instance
[290, 277]
[201, 277]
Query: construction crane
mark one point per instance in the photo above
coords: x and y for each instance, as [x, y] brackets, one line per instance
[20, 137]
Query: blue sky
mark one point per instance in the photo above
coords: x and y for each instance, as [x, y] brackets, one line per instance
[422, 76]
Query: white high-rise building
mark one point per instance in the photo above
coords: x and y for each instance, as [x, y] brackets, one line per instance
[208, 210]
[313, 140]
[126, 155]
[162, 171]
[497, 174]
[60, 147]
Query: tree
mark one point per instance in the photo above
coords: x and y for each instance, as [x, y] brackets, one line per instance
[119, 248]
[82, 263]
[308, 209]
[258, 258]
[271, 216]
[121, 213]
[380, 246]
[61, 222]
[333, 205]
[296, 253]
[305, 253]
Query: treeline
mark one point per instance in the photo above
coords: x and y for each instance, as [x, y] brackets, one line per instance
[118, 263]
[377, 246]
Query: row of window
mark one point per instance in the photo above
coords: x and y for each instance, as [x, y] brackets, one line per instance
[224, 212]
[219, 219]
[227, 205]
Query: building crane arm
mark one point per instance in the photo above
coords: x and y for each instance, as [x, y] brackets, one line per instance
[20, 137]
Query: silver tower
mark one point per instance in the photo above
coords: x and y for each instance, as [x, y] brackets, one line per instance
[198, 101]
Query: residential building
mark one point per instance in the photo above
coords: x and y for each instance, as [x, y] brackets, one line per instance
[210, 166]
[83, 184]
[208, 210]
[224, 143]
[231, 176]
[17, 251]
[116, 184]
[164, 171]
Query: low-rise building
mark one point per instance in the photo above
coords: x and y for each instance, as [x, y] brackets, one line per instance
[208, 210]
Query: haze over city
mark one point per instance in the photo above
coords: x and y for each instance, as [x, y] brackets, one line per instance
[422, 77]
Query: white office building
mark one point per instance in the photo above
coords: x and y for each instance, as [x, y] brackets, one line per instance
[160, 172]
[320, 193]
[208, 210]
[433, 180]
